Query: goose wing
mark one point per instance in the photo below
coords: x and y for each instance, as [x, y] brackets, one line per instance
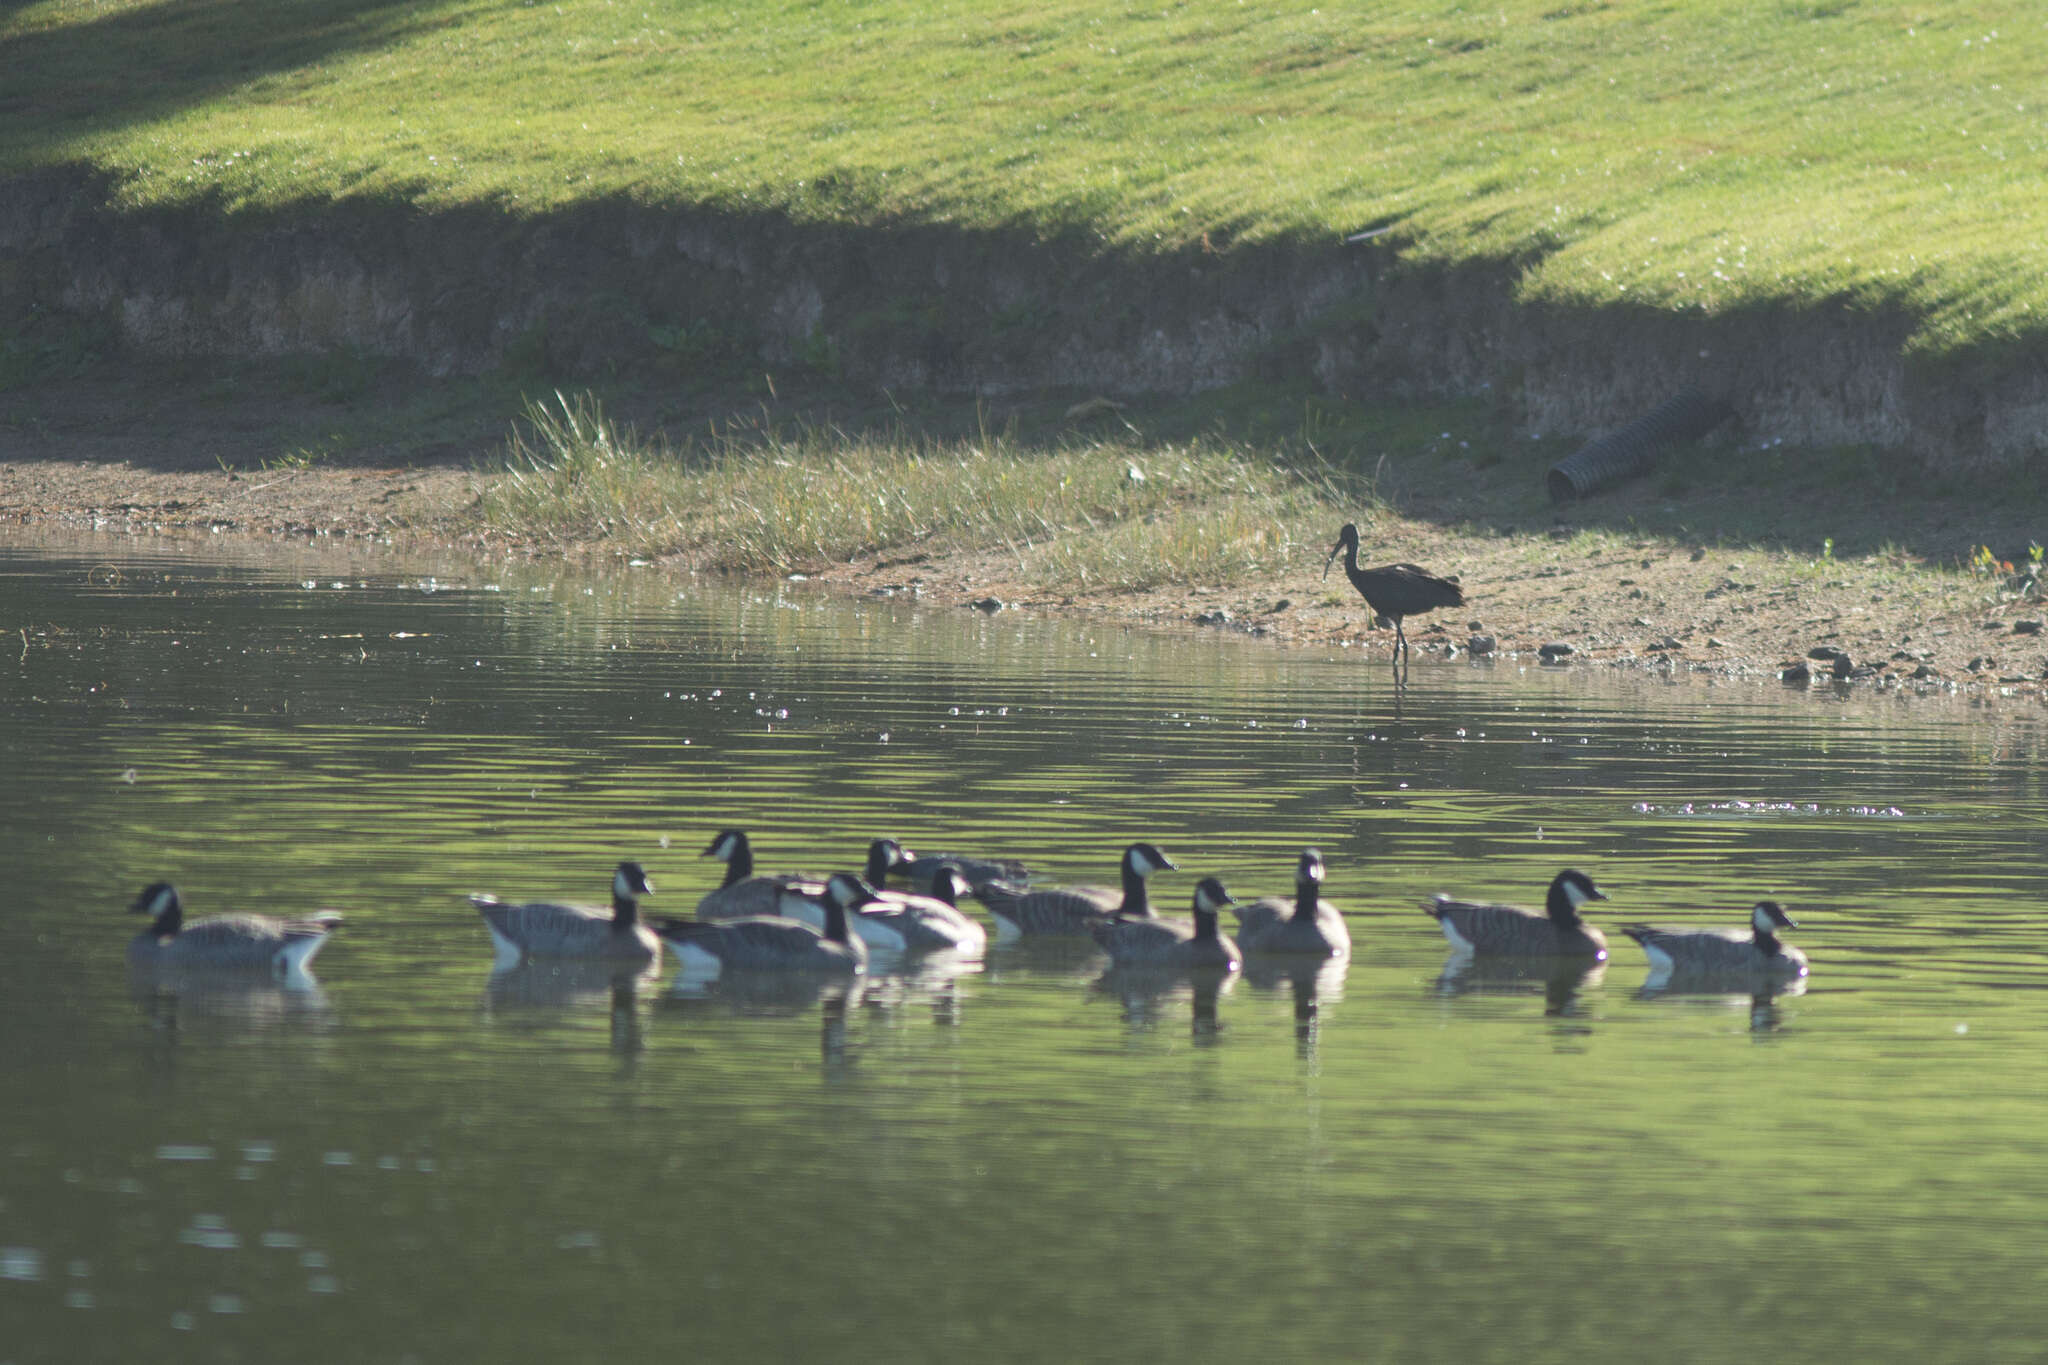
[545, 929]
[1143, 940]
[246, 941]
[1494, 928]
[762, 895]
[926, 922]
[763, 942]
[1071, 910]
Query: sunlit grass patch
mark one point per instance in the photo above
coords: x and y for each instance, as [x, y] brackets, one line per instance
[1096, 514]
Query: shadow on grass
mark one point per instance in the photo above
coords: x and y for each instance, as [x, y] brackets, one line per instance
[77, 79]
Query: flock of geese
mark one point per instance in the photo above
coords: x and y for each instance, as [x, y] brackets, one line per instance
[758, 924]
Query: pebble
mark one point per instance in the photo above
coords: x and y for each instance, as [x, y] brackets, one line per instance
[1795, 673]
[990, 605]
[1557, 651]
[1481, 644]
[2026, 627]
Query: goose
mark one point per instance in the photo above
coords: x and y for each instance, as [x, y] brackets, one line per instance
[932, 920]
[1727, 952]
[544, 929]
[705, 948]
[923, 868]
[744, 893]
[890, 921]
[1556, 932]
[285, 946]
[1075, 910]
[1154, 942]
[1308, 924]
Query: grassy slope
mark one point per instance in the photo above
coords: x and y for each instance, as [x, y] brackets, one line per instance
[1685, 156]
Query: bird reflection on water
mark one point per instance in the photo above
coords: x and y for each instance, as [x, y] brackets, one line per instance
[1560, 980]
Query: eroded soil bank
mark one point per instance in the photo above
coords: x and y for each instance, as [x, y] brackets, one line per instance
[619, 285]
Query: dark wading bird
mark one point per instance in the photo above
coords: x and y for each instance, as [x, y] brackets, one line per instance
[1393, 590]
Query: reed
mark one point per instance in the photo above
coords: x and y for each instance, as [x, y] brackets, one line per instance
[1099, 513]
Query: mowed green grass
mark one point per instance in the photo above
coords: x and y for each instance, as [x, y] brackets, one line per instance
[1680, 156]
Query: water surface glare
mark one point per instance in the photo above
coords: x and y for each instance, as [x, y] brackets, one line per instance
[1029, 1158]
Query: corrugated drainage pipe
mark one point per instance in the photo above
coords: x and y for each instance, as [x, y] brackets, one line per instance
[1684, 416]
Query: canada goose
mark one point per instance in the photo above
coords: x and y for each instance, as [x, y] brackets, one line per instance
[921, 868]
[929, 921]
[544, 929]
[1074, 910]
[1154, 942]
[742, 892]
[1307, 924]
[286, 946]
[1728, 952]
[1558, 932]
[704, 948]
[890, 921]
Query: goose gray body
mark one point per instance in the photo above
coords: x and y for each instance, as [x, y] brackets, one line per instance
[746, 893]
[1509, 930]
[769, 942]
[226, 941]
[1074, 911]
[546, 929]
[1725, 952]
[1155, 942]
[1306, 924]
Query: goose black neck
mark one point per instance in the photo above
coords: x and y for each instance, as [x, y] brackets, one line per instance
[835, 920]
[1767, 943]
[625, 910]
[1206, 926]
[169, 922]
[1135, 900]
[740, 865]
[878, 865]
[1563, 913]
[1306, 893]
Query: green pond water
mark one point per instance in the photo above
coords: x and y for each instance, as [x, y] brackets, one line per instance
[1026, 1160]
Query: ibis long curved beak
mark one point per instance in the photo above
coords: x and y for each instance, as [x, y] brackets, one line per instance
[1332, 559]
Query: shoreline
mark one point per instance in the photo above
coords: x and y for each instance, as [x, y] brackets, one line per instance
[1636, 600]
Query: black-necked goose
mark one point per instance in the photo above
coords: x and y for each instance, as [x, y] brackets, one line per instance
[743, 892]
[922, 868]
[757, 943]
[1726, 952]
[1155, 942]
[1074, 910]
[545, 929]
[236, 941]
[1555, 931]
[1306, 924]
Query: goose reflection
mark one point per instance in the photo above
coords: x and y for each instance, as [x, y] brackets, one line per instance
[1312, 982]
[224, 1003]
[931, 979]
[771, 994]
[1759, 993]
[1560, 980]
[542, 994]
[1145, 994]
